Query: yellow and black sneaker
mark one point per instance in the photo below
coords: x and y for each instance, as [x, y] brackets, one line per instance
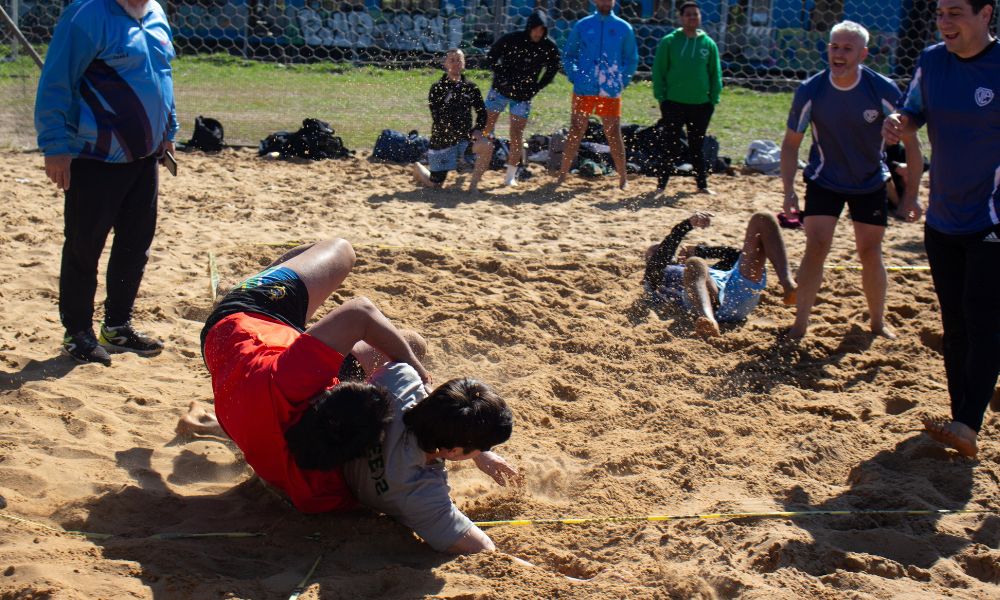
[82, 347]
[124, 338]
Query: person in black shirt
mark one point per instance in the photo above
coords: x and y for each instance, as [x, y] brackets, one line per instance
[452, 101]
[728, 290]
[523, 63]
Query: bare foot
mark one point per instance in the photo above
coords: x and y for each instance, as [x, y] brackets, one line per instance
[791, 296]
[623, 184]
[956, 435]
[707, 327]
[199, 421]
[884, 331]
[795, 332]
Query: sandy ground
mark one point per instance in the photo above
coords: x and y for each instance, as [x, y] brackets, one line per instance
[620, 410]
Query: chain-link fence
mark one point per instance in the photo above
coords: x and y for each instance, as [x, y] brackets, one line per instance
[759, 40]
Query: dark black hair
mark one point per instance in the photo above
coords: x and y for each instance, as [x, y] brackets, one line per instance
[341, 425]
[461, 413]
[977, 5]
[685, 5]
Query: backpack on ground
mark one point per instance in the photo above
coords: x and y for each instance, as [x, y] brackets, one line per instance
[764, 156]
[395, 146]
[314, 140]
[208, 135]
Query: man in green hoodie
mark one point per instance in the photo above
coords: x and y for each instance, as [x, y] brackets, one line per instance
[687, 81]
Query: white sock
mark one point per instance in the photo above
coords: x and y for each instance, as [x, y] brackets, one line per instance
[511, 178]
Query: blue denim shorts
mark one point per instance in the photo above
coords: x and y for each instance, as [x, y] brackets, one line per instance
[496, 102]
[738, 296]
[446, 159]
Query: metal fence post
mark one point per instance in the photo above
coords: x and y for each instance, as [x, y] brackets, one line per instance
[15, 10]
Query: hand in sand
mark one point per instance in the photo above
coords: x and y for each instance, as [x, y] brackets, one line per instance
[499, 469]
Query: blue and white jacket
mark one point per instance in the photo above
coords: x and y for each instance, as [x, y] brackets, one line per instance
[106, 90]
[600, 56]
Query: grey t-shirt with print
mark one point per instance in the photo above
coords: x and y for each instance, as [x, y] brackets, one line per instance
[394, 478]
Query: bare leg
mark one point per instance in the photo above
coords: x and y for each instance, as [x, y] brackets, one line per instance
[701, 291]
[577, 127]
[423, 177]
[483, 150]
[957, 435]
[323, 268]
[517, 125]
[868, 240]
[491, 122]
[199, 421]
[291, 254]
[613, 131]
[764, 241]
[819, 237]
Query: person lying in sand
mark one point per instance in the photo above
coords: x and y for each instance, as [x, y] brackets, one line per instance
[728, 290]
[328, 445]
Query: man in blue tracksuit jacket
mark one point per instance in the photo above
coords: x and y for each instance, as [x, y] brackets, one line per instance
[599, 58]
[105, 115]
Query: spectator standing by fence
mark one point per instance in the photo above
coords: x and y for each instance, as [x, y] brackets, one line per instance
[105, 115]
[687, 82]
[954, 92]
[845, 105]
[599, 59]
[523, 63]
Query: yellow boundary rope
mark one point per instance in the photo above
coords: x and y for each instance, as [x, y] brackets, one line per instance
[301, 587]
[738, 515]
[563, 521]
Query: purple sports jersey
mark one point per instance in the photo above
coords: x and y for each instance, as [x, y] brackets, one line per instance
[847, 152]
[957, 99]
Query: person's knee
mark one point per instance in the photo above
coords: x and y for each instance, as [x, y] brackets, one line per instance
[818, 244]
[695, 268]
[762, 220]
[342, 250]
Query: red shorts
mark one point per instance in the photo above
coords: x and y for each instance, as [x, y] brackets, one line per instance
[264, 373]
[601, 106]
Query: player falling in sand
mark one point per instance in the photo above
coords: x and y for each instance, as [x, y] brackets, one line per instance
[728, 290]
[329, 445]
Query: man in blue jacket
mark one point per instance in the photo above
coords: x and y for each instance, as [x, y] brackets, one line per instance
[600, 58]
[105, 115]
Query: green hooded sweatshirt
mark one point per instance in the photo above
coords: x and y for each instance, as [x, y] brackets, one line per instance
[687, 70]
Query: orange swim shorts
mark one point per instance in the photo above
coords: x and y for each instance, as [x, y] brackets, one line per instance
[597, 105]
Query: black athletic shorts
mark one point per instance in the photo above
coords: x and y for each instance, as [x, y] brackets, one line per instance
[871, 208]
[276, 292]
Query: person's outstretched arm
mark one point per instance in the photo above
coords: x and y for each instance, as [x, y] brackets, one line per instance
[789, 166]
[665, 252]
[359, 320]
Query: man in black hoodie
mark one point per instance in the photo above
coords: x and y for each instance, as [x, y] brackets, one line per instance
[517, 60]
[452, 100]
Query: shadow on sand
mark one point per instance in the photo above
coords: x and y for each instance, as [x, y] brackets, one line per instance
[916, 475]
[363, 555]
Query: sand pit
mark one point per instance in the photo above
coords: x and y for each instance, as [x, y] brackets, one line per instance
[619, 409]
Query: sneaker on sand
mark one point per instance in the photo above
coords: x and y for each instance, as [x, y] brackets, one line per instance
[82, 347]
[126, 339]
